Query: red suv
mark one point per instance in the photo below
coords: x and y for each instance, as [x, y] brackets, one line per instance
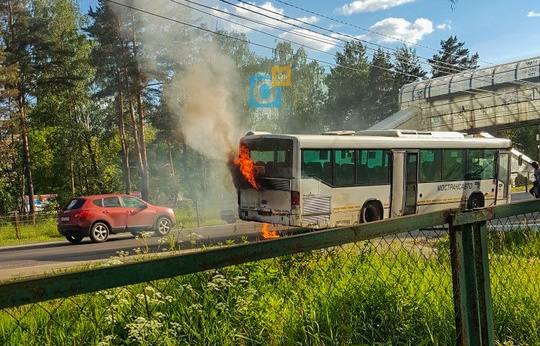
[101, 215]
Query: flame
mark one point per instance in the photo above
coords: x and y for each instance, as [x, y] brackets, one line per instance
[245, 164]
[266, 234]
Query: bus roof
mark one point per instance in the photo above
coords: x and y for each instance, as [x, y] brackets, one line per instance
[392, 141]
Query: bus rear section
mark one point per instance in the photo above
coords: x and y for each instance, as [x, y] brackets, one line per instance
[273, 196]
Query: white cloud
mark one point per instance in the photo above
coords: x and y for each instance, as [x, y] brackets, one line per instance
[260, 17]
[447, 25]
[398, 29]
[254, 18]
[310, 39]
[533, 14]
[310, 20]
[229, 20]
[267, 17]
[369, 6]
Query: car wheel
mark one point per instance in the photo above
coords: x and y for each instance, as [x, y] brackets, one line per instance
[99, 232]
[163, 226]
[74, 239]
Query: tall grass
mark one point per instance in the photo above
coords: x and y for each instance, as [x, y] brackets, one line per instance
[361, 294]
[42, 229]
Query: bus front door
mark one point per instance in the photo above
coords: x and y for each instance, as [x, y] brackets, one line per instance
[404, 183]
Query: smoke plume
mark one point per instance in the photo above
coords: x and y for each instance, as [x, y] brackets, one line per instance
[200, 79]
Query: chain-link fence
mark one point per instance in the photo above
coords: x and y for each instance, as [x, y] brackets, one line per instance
[339, 287]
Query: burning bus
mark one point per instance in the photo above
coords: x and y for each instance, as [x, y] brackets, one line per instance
[346, 178]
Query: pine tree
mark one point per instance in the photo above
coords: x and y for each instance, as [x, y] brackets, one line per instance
[452, 58]
[347, 88]
[381, 93]
[23, 38]
[407, 66]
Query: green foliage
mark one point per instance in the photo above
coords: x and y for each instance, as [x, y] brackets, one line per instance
[452, 58]
[347, 86]
[43, 229]
[359, 294]
[407, 66]
[381, 97]
[82, 75]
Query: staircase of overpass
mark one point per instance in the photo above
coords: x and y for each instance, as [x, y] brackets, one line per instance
[483, 100]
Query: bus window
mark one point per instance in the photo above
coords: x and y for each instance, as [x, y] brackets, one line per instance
[453, 164]
[480, 164]
[344, 167]
[316, 163]
[373, 167]
[430, 165]
[275, 155]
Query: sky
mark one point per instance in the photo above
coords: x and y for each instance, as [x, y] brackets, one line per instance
[500, 31]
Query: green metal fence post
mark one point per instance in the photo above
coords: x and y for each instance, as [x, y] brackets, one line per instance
[471, 284]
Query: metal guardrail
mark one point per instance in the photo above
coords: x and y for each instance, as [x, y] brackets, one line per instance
[468, 235]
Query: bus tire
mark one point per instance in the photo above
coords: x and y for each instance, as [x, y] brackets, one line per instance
[371, 212]
[476, 200]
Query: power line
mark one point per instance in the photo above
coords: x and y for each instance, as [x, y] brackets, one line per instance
[277, 37]
[364, 29]
[445, 66]
[267, 47]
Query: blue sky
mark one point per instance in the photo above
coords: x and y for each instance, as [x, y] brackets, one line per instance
[500, 31]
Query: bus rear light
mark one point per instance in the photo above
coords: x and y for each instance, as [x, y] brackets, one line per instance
[295, 198]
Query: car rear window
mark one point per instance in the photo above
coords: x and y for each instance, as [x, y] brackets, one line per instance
[75, 204]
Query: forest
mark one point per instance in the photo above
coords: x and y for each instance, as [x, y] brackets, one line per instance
[145, 96]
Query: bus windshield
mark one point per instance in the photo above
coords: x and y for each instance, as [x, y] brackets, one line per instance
[272, 157]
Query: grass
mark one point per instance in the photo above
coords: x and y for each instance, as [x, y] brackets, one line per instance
[41, 230]
[369, 293]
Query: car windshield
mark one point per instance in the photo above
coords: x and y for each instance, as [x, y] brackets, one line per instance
[74, 204]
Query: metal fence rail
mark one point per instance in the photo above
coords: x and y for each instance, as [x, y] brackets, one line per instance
[439, 278]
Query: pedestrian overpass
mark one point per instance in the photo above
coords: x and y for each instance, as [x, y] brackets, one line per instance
[475, 101]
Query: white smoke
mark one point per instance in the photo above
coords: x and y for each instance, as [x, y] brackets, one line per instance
[202, 97]
[201, 79]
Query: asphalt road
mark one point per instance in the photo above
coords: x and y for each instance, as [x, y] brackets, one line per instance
[36, 259]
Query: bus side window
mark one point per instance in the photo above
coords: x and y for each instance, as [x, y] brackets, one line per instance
[453, 164]
[480, 164]
[430, 165]
[314, 169]
[344, 167]
[373, 167]
[312, 164]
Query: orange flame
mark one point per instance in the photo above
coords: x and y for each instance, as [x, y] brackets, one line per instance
[245, 164]
[266, 234]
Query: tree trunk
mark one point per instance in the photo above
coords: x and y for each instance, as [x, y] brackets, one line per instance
[134, 123]
[171, 163]
[26, 150]
[123, 141]
[145, 175]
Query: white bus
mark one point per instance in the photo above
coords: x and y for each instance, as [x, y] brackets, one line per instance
[346, 178]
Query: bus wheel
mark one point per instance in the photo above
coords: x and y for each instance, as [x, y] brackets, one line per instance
[371, 212]
[476, 200]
